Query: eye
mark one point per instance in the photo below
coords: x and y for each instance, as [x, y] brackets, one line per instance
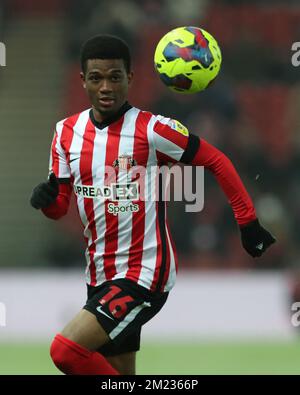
[94, 78]
[116, 78]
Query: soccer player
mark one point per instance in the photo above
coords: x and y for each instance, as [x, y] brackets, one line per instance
[131, 261]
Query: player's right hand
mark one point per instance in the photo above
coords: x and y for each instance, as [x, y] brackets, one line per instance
[45, 193]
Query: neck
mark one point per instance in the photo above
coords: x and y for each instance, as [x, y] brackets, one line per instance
[100, 117]
[101, 121]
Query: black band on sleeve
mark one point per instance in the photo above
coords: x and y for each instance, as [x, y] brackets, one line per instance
[191, 149]
[64, 180]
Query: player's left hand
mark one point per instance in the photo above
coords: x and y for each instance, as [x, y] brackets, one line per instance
[255, 238]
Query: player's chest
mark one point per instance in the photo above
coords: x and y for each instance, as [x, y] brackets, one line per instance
[94, 155]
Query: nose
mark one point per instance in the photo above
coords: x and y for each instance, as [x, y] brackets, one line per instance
[105, 87]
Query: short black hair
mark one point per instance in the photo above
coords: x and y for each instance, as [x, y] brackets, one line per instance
[105, 46]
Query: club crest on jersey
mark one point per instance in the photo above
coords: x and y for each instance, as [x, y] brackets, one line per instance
[124, 162]
[176, 125]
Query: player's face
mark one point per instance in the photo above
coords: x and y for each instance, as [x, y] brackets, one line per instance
[106, 82]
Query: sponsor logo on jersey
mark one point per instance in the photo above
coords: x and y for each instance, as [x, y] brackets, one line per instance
[115, 191]
[124, 162]
[176, 125]
[116, 209]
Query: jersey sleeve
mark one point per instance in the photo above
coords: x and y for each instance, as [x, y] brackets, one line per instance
[58, 163]
[229, 180]
[170, 139]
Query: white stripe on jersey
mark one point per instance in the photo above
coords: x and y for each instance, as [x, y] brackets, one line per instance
[75, 148]
[63, 168]
[98, 170]
[167, 147]
[126, 145]
[150, 238]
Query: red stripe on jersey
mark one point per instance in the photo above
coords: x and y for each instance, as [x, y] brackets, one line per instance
[111, 232]
[158, 253]
[171, 134]
[163, 252]
[85, 166]
[164, 158]
[138, 218]
[161, 247]
[65, 142]
[173, 246]
[168, 259]
[166, 269]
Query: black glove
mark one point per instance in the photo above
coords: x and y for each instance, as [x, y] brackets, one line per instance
[45, 193]
[255, 238]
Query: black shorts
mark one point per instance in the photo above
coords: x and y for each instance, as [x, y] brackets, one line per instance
[122, 307]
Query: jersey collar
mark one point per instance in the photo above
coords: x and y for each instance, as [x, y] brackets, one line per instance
[101, 125]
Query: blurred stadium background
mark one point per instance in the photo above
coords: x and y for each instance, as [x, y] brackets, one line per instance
[228, 313]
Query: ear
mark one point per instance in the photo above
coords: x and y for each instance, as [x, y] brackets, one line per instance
[82, 77]
[130, 77]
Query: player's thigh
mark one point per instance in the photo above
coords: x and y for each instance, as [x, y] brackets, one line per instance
[84, 329]
[124, 363]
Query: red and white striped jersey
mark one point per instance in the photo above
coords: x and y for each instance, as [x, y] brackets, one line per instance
[127, 237]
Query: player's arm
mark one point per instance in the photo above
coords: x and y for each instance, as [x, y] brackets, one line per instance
[200, 153]
[255, 238]
[174, 143]
[53, 196]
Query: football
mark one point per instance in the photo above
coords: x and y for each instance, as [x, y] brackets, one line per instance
[187, 59]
